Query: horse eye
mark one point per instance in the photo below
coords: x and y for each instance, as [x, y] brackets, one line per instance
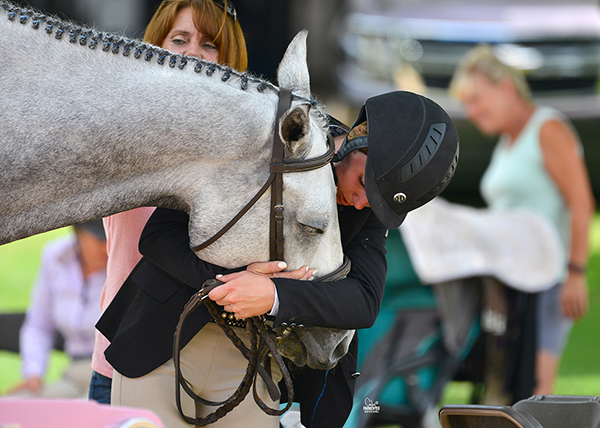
[310, 230]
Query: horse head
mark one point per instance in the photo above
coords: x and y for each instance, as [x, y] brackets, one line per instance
[317, 347]
[311, 227]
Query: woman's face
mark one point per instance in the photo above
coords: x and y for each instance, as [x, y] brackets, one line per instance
[486, 103]
[184, 38]
[350, 173]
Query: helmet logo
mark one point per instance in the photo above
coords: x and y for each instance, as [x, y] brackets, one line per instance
[400, 198]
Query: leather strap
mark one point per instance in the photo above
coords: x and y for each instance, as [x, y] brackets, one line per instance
[276, 223]
[255, 356]
[261, 344]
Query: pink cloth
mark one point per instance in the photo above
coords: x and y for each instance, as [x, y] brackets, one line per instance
[34, 413]
[123, 233]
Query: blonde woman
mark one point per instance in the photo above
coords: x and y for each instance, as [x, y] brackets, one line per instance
[538, 165]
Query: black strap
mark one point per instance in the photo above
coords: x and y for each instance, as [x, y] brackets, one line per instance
[276, 224]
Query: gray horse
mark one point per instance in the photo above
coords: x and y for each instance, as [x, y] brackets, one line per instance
[94, 124]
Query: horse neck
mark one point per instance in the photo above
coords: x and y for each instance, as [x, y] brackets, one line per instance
[87, 133]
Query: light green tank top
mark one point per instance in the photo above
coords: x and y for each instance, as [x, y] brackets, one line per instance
[517, 178]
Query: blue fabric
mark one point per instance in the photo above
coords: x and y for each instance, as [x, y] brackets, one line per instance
[100, 386]
[553, 327]
[319, 399]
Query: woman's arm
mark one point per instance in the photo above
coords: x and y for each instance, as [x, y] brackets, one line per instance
[565, 164]
[165, 242]
[37, 332]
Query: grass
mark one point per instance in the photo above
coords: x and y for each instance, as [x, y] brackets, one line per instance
[579, 371]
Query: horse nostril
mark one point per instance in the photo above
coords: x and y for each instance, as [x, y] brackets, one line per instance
[340, 350]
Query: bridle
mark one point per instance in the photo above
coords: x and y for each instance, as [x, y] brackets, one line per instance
[275, 181]
[262, 341]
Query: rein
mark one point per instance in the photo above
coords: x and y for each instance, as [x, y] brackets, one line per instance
[262, 343]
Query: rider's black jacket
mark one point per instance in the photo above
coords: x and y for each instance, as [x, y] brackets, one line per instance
[141, 320]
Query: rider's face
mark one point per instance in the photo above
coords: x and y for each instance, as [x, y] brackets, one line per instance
[350, 174]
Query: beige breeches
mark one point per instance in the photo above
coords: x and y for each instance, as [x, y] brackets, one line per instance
[215, 368]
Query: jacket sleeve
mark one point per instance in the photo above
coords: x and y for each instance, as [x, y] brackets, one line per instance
[165, 243]
[350, 303]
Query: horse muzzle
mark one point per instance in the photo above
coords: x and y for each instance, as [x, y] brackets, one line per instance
[316, 347]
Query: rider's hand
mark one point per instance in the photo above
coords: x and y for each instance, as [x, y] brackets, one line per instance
[251, 292]
[275, 270]
[246, 294]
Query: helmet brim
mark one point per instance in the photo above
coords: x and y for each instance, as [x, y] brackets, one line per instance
[389, 218]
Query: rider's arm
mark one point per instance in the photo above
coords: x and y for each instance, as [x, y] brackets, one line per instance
[350, 303]
[165, 243]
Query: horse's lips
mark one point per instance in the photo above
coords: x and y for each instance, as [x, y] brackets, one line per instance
[292, 348]
[323, 355]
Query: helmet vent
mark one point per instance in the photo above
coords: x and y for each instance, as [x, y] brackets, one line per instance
[426, 152]
[442, 184]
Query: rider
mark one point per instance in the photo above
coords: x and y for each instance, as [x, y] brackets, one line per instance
[404, 157]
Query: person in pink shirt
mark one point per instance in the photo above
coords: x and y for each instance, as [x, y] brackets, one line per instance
[172, 27]
[123, 232]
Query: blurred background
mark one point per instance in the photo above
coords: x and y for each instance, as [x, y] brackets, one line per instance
[360, 48]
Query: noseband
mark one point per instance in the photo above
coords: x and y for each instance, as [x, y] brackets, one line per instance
[261, 336]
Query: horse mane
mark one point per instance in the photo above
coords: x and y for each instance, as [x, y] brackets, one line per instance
[115, 43]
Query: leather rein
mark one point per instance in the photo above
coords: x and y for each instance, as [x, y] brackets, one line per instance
[262, 343]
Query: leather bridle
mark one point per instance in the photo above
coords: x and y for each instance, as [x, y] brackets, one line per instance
[277, 168]
[262, 343]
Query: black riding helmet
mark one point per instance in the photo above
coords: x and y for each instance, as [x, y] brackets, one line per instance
[413, 152]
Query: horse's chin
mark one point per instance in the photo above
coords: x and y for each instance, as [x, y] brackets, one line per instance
[315, 347]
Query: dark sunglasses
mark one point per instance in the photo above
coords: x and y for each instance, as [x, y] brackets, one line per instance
[230, 8]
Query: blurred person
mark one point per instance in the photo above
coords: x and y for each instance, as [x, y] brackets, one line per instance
[537, 164]
[198, 28]
[65, 300]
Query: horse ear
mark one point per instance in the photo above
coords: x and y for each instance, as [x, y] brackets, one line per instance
[294, 129]
[293, 68]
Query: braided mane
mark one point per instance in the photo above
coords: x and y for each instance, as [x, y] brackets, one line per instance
[108, 42]
[117, 44]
